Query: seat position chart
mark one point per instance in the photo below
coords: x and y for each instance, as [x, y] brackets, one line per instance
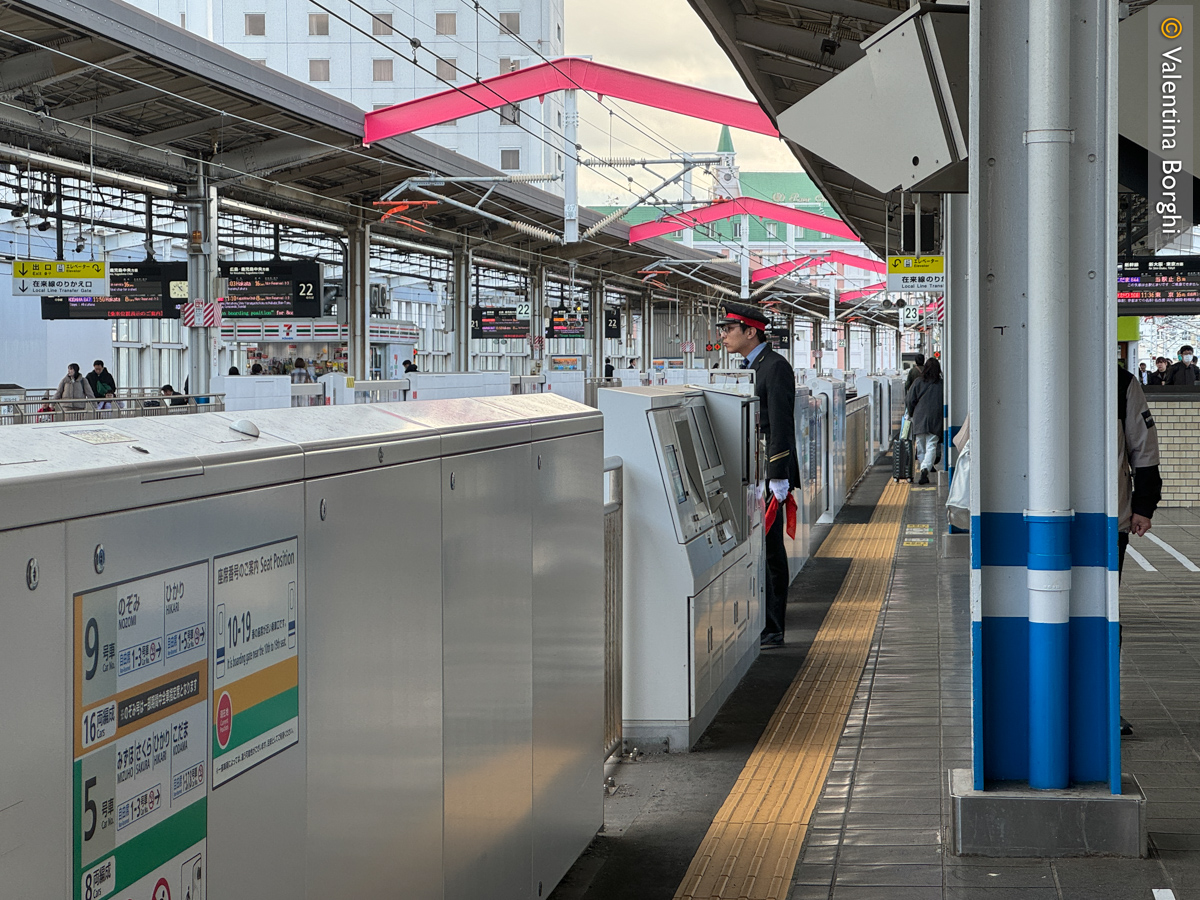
[256, 684]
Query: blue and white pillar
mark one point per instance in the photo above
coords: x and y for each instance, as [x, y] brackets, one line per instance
[1041, 284]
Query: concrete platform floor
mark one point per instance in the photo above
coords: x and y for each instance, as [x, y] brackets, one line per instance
[879, 830]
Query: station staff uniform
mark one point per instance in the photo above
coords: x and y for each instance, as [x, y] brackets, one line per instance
[775, 387]
[1139, 484]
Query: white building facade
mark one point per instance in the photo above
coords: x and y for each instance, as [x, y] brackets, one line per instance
[363, 51]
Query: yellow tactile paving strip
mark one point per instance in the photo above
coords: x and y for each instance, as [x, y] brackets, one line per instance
[751, 847]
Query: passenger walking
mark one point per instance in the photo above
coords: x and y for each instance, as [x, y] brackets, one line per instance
[74, 386]
[609, 368]
[1185, 371]
[300, 374]
[1159, 375]
[925, 405]
[1142, 373]
[914, 371]
[103, 384]
[743, 330]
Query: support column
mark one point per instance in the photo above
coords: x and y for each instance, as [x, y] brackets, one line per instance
[957, 360]
[873, 351]
[358, 300]
[1043, 582]
[596, 326]
[818, 346]
[745, 260]
[570, 167]
[460, 310]
[537, 314]
[202, 275]
[647, 329]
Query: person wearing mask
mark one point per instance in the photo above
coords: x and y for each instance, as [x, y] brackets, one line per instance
[300, 374]
[743, 330]
[74, 386]
[926, 408]
[914, 372]
[609, 368]
[103, 384]
[1185, 371]
[1139, 484]
[1159, 375]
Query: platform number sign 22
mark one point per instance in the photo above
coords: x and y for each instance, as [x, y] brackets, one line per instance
[612, 323]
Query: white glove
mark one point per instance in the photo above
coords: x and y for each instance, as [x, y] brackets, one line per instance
[780, 488]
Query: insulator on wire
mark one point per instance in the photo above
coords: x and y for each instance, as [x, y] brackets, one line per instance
[536, 231]
[605, 222]
[529, 177]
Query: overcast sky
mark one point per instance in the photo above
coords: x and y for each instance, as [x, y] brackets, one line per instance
[664, 38]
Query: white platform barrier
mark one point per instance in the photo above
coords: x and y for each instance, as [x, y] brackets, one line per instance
[456, 385]
[254, 391]
[566, 384]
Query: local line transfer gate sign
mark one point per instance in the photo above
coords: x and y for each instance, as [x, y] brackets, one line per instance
[916, 273]
[59, 278]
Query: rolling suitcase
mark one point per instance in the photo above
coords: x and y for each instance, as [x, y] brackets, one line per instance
[902, 459]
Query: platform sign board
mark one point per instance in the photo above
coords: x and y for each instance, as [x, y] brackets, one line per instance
[1158, 285]
[141, 774]
[498, 322]
[269, 289]
[256, 680]
[59, 278]
[146, 290]
[916, 273]
[612, 323]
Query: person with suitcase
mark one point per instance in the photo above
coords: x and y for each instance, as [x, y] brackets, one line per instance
[926, 407]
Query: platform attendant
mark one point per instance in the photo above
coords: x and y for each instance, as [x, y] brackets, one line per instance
[743, 331]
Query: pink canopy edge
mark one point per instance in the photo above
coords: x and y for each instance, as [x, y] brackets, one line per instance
[559, 75]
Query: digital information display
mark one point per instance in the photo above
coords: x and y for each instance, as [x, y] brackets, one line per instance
[146, 290]
[567, 323]
[271, 289]
[500, 323]
[1158, 285]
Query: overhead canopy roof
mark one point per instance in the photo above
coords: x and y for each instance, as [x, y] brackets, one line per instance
[98, 81]
[776, 46]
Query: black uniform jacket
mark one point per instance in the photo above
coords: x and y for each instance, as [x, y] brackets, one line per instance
[775, 387]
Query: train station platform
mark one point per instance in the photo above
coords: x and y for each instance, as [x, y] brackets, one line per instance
[825, 775]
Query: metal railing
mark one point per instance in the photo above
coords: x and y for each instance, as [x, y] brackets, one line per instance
[308, 394]
[614, 536]
[381, 391]
[858, 438]
[35, 410]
